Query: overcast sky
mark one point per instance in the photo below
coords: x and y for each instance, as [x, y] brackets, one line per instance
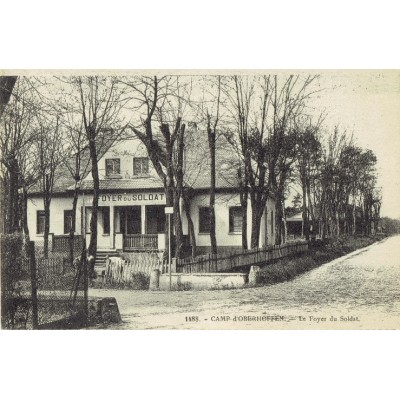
[367, 103]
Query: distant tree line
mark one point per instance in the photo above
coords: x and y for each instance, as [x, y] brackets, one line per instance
[390, 225]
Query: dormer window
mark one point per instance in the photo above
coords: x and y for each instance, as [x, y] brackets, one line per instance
[113, 167]
[140, 166]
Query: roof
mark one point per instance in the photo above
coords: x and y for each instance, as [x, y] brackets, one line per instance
[63, 179]
[125, 184]
[196, 174]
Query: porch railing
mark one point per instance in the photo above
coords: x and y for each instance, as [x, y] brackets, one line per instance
[141, 242]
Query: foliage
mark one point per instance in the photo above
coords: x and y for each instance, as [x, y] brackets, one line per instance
[390, 225]
[291, 267]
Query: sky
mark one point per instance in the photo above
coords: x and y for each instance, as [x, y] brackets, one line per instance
[366, 103]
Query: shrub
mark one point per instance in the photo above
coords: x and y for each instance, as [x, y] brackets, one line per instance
[288, 268]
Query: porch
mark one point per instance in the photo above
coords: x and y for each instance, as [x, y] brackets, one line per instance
[129, 228]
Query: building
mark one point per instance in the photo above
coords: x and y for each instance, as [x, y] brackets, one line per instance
[132, 200]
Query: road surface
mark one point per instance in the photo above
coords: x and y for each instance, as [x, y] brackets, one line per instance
[358, 291]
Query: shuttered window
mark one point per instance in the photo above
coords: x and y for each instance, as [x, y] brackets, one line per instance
[113, 166]
[40, 222]
[106, 220]
[204, 220]
[235, 219]
[67, 221]
[140, 166]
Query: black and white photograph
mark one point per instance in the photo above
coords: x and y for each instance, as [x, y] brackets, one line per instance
[199, 199]
[251, 199]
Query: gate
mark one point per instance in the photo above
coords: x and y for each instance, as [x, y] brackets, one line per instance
[43, 292]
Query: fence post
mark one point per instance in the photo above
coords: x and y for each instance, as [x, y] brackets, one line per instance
[173, 265]
[154, 279]
[32, 265]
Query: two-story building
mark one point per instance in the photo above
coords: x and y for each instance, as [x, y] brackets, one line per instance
[132, 203]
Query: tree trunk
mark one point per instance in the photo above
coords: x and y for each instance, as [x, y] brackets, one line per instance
[255, 230]
[25, 214]
[284, 223]
[73, 225]
[257, 208]
[178, 225]
[211, 144]
[310, 204]
[13, 208]
[243, 195]
[92, 250]
[192, 236]
[243, 203]
[306, 231]
[279, 216]
[46, 201]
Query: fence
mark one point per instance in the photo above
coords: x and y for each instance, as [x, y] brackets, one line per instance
[58, 246]
[60, 243]
[43, 293]
[119, 270]
[140, 242]
[227, 262]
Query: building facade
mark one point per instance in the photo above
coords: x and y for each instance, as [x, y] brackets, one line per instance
[132, 202]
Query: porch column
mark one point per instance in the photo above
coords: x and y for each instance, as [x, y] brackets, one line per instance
[143, 219]
[112, 233]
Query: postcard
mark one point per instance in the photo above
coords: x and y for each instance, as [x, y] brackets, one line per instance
[246, 199]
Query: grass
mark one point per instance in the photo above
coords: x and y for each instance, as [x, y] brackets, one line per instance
[290, 267]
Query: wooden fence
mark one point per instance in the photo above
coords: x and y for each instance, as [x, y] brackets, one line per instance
[119, 270]
[60, 243]
[140, 242]
[227, 262]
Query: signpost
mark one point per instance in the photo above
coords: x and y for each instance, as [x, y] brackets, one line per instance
[169, 211]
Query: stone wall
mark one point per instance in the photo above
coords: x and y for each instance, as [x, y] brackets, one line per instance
[203, 281]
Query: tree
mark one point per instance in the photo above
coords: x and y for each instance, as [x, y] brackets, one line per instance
[76, 158]
[48, 148]
[262, 110]
[19, 171]
[6, 88]
[99, 102]
[307, 159]
[162, 101]
[208, 116]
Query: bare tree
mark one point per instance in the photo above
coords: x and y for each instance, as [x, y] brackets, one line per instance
[19, 171]
[6, 87]
[48, 148]
[307, 158]
[262, 110]
[99, 103]
[162, 101]
[208, 115]
[76, 160]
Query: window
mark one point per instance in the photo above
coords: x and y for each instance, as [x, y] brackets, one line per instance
[204, 220]
[40, 222]
[106, 220]
[67, 221]
[235, 219]
[113, 166]
[88, 218]
[140, 166]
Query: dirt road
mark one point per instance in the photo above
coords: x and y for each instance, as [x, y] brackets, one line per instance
[358, 291]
